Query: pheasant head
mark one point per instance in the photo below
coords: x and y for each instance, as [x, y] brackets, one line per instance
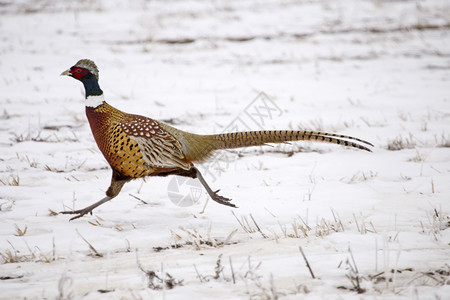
[86, 71]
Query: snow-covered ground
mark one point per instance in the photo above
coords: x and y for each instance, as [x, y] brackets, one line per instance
[371, 225]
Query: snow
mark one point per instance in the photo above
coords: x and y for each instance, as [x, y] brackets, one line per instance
[377, 70]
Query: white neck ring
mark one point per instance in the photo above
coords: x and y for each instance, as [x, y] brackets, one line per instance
[94, 101]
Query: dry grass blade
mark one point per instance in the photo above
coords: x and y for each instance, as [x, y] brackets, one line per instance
[199, 276]
[228, 238]
[400, 143]
[12, 180]
[232, 271]
[257, 227]
[20, 232]
[307, 263]
[94, 251]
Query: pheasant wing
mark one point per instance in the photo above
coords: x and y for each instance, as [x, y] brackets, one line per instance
[159, 148]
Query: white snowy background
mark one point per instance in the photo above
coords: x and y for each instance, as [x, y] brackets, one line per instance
[371, 225]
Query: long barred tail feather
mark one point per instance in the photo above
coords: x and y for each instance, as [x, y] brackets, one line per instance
[256, 138]
[199, 147]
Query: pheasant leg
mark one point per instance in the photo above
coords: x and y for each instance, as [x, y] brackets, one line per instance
[213, 194]
[86, 210]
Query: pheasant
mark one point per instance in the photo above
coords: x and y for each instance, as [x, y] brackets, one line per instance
[136, 146]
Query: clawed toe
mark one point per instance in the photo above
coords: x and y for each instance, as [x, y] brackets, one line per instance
[221, 199]
[69, 212]
[86, 210]
[79, 213]
[76, 217]
[211, 193]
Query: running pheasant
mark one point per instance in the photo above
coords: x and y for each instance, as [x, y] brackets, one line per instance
[137, 146]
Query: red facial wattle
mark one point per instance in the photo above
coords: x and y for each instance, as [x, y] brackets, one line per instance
[78, 72]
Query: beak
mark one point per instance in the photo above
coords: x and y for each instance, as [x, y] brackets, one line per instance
[66, 72]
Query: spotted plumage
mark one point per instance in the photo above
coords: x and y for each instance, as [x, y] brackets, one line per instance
[160, 149]
[136, 146]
